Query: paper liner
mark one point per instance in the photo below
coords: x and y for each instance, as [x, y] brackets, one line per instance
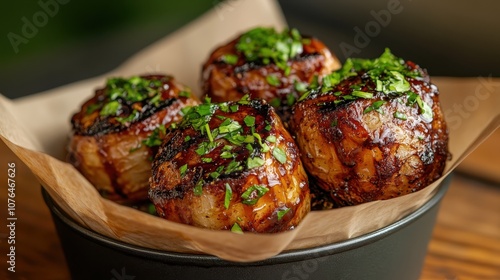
[35, 128]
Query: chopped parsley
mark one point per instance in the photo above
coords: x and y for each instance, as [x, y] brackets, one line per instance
[271, 138]
[389, 75]
[266, 45]
[236, 229]
[184, 93]
[249, 120]
[279, 154]
[93, 107]
[253, 162]
[282, 212]
[375, 106]
[253, 194]
[228, 196]
[155, 138]
[198, 188]
[399, 115]
[273, 80]
[111, 109]
[275, 102]
[231, 59]
[183, 170]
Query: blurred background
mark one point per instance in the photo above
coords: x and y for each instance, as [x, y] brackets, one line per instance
[48, 43]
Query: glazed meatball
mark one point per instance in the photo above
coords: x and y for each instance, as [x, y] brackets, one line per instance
[266, 64]
[117, 132]
[374, 130]
[230, 166]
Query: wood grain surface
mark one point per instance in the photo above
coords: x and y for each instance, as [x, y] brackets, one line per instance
[465, 243]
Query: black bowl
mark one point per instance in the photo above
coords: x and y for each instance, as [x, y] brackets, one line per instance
[393, 252]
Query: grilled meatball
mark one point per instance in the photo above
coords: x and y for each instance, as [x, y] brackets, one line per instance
[117, 131]
[373, 131]
[230, 166]
[276, 67]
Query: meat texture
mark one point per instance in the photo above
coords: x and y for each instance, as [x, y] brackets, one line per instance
[374, 130]
[231, 166]
[117, 132]
[276, 67]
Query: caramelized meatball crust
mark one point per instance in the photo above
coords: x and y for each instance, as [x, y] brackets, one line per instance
[231, 166]
[374, 134]
[117, 131]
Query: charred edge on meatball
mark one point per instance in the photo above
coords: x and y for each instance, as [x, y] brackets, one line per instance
[123, 102]
[402, 93]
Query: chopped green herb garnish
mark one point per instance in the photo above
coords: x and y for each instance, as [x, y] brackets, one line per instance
[361, 94]
[111, 108]
[249, 139]
[198, 188]
[217, 172]
[375, 106]
[232, 126]
[249, 147]
[184, 93]
[233, 166]
[281, 213]
[186, 110]
[228, 196]
[249, 120]
[244, 100]
[251, 195]
[152, 209]
[275, 102]
[300, 87]
[279, 154]
[230, 59]
[268, 127]
[255, 162]
[183, 170]
[399, 115]
[187, 138]
[290, 99]
[236, 229]
[226, 154]
[206, 160]
[224, 107]
[425, 110]
[155, 138]
[92, 108]
[133, 116]
[271, 138]
[273, 80]
[268, 46]
[209, 132]
[234, 108]
[334, 123]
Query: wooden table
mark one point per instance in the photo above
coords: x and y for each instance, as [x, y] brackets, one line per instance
[465, 242]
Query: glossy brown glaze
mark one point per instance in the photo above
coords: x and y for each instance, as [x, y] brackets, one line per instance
[225, 82]
[111, 154]
[174, 195]
[359, 157]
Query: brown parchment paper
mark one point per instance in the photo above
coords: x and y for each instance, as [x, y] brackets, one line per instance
[35, 128]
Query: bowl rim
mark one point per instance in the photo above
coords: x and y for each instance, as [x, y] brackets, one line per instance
[283, 257]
